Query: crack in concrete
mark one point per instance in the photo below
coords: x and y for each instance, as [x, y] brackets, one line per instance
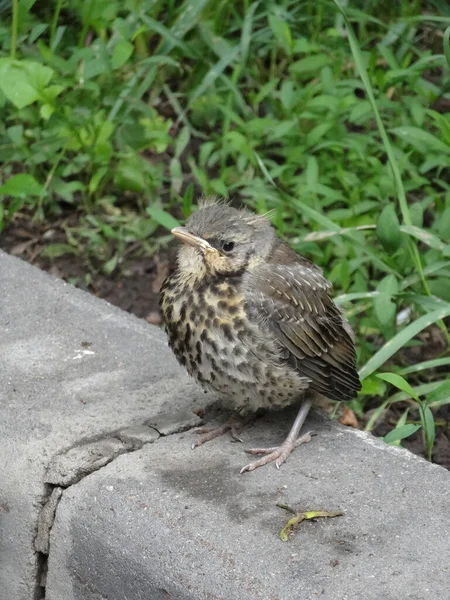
[70, 466]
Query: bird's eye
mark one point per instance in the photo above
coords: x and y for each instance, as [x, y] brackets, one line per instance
[227, 246]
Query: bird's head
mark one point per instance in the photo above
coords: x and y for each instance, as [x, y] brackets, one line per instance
[221, 240]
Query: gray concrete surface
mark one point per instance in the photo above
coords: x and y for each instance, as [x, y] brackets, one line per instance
[80, 383]
[101, 499]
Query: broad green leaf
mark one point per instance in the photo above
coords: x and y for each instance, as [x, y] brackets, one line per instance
[385, 308]
[129, 175]
[373, 387]
[282, 32]
[399, 382]
[162, 217]
[18, 90]
[309, 64]
[400, 433]
[399, 340]
[22, 82]
[21, 185]
[15, 134]
[121, 53]
[388, 229]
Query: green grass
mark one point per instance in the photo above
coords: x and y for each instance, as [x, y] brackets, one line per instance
[335, 115]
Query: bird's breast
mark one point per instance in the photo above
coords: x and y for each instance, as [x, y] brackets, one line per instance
[211, 334]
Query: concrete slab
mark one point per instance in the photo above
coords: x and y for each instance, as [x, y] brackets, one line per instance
[80, 382]
[166, 523]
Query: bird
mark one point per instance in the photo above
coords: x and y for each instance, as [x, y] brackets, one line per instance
[254, 321]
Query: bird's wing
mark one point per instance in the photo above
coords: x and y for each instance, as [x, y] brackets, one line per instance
[293, 299]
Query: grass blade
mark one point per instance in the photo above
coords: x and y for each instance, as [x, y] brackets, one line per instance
[247, 32]
[428, 364]
[399, 340]
[400, 433]
[215, 71]
[189, 16]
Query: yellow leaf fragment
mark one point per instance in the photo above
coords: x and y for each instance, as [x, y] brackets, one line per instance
[308, 515]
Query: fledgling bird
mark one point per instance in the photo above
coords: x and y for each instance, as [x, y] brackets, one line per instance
[253, 320]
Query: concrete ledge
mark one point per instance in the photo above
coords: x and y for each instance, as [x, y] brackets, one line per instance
[102, 498]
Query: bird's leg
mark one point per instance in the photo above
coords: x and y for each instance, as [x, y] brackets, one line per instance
[234, 425]
[281, 452]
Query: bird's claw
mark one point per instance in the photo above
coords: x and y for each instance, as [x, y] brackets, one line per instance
[278, 453]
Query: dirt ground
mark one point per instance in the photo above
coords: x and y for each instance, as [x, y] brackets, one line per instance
[134, 287]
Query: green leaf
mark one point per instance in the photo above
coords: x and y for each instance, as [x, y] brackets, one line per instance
[399, 382]
[423, 141]
[373, 387]
[282, 32]
[189, 15]
[443, 225]
[446, 44]
[21, 185]
[384, 307]
[57, 250]
[309, 64]
[129, 175]
[214, 72]
[440, 395]
[388, 229]
[121, 53]
[400, 433]
[399, 340]
[427, 238]
[15, 134]
[110, 265]
[182, 141]
[162, 217]
[429, 427]
[246, 35]
[22, 82]
[428, 364]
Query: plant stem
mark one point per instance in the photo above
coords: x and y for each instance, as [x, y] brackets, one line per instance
[55, 23]
[14, 27]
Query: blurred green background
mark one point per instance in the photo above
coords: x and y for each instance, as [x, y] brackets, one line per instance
[117, 116]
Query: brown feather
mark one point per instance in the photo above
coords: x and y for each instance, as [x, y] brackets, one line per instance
[290, 294]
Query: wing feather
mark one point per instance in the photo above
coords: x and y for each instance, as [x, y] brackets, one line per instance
[292, 297]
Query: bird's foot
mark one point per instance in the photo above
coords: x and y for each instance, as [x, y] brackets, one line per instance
[277, 453]
[234, 425]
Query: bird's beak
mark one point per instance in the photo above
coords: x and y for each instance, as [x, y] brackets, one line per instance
[191, 239]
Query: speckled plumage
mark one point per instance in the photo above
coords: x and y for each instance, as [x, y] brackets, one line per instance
[255, 324]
